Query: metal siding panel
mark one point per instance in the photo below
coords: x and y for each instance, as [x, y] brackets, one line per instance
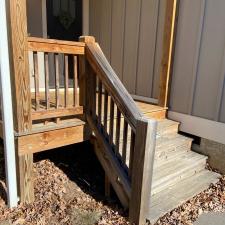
[132, 22]
[117, 39]
[146, 53]
[95, 18]
[210, 62]
[186, 54]
[105, 31]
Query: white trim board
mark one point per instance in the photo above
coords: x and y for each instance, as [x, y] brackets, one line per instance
[204, 128]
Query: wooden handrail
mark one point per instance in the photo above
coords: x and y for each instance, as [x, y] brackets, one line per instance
[120, 95]
[126, 142]
[55, 46]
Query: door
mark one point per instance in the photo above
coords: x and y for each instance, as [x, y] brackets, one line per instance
[64, 19]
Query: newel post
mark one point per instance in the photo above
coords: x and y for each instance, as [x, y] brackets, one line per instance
[83, 70]
[142, 171]
[20, 83]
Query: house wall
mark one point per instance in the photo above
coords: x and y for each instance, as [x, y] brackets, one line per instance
[130, 34]
[198, 79]
[35, 15]
[199, 65]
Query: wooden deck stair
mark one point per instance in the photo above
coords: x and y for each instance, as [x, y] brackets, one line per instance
[179, 173]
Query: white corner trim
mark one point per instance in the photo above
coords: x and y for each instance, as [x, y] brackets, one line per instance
[7, 111]
[204, 128]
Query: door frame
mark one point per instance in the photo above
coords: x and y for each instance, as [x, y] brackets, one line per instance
[85, 18]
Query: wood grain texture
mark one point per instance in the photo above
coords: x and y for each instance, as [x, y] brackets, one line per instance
[54, 113]
[112, 83]
[50, 139]
[168, 41]
[20, 70]
[112, 166]
[142, 171]
[50, 45]
[26, 179]
[111, 172]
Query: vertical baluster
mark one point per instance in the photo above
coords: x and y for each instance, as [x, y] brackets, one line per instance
[132, 144]
[36, 79]
[118, 123]
[75, 82]
[57, 80]
[111, 121]
[106, 111]
[124, 151]
[66, 81]
[47, 81]
[99, 102]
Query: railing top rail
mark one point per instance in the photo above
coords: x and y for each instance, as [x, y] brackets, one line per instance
[122, 98]
[55, 46]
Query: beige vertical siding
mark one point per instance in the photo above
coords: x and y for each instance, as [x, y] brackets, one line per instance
[130, 34]
[199, 65]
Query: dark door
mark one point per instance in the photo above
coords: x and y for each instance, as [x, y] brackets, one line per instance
[64, 19]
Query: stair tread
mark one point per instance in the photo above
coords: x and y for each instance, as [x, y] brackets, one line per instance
[167, 200]
[173, 169]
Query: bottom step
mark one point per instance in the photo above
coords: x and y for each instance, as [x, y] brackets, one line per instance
[167, 200]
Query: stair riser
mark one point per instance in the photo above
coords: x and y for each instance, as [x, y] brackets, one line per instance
[169, 130]
[175, 178]
[165, 156]
[164, 151]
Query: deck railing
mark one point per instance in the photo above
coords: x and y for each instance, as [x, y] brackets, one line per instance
[54, 78]
[125, 137]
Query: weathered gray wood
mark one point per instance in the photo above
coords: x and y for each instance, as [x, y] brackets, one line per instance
[66, 80]
[118, 124]
[142, 171]
[125, 134]
[99, 102]
[105, 124]
[112, 83]
[115, 165]
[47, 81]
[111, 128]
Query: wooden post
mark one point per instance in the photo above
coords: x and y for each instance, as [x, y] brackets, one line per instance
[19, 68]
[142, 171]
[82, 68]
[20, 79]
[25, 178]
[168, 41]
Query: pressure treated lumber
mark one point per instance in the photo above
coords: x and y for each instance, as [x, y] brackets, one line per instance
[43, 141]
[19, 67]
[51, 45]
[26, 179]
[168, 42]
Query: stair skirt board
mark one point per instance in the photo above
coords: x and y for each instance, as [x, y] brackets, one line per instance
[179, 173]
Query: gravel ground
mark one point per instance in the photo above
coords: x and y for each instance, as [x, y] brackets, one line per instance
[69, 191]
